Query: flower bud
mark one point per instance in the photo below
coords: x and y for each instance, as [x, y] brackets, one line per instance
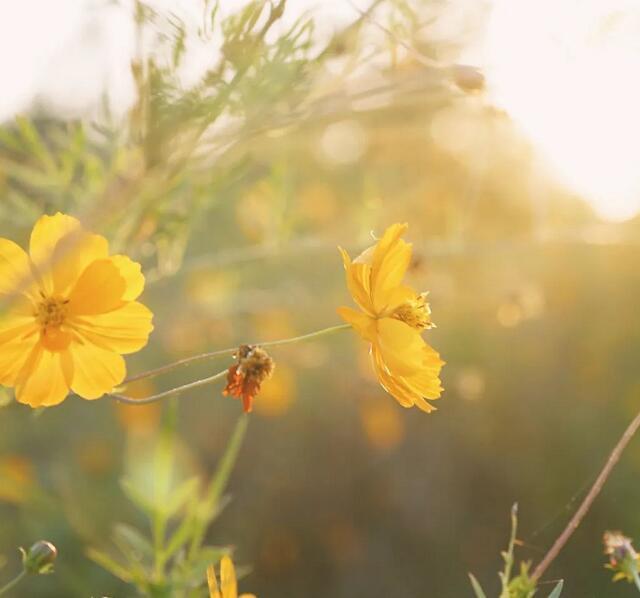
[623, 559]
[39, 558]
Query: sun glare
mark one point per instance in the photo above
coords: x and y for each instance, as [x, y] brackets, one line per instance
[567, 72]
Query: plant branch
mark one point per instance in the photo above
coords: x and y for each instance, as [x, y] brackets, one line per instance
[167, 393]
[14, 582]
[584, 507]
[210, 355]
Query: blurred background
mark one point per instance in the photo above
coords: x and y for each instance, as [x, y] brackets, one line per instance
[230, 152]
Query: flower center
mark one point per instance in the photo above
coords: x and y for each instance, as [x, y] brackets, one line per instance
[415, 313]
[51, 312]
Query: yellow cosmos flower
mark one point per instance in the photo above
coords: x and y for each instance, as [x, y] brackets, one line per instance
[392, 319]
[228, 587]
[68, 312]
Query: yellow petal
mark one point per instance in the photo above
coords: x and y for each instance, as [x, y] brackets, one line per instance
[123, 330]
[96, 370]
[98, 290]
[15, 270]
[391, 258]
[357, 276]
[212, 582]
[132, 274]
[401, 346]
[363, 324]
[394, 385]
[60, 250]
[45, 378]
[15, 348]
[228, 581]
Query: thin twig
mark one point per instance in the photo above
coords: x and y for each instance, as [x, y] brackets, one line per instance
[584, 507]
[167, 393]
[205, 356]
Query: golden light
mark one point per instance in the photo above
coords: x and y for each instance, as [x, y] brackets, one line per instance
[567, 73]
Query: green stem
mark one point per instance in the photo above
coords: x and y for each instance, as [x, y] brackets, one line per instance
[167, 393]
[14, 582]
[204, 356]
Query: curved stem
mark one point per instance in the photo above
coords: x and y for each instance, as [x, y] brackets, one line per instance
[584, 507]
[14, 582]
[167, 393]
[204, 356]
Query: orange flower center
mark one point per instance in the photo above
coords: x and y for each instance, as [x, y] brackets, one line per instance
[415, 313]
[51, 312]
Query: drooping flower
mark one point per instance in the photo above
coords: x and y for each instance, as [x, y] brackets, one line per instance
[245, 377]
[228, 587]
[392, 318]
[68, 312]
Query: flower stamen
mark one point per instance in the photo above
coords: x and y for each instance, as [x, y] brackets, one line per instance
[415, 313]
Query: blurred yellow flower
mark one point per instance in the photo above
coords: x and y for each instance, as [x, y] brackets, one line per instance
[228, 587]
[69, 313]
[392, 319]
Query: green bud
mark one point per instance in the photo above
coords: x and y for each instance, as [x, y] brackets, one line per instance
[39, 558]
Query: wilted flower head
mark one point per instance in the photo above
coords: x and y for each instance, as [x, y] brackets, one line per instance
[623, 559]
[228, 587]
[68, 312]
[392, 318]
[39, 558]
[244, 378]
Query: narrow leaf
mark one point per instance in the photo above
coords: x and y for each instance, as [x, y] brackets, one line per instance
[557, 590]
[477, 588]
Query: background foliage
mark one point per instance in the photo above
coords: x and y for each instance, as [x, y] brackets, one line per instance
[234, 193]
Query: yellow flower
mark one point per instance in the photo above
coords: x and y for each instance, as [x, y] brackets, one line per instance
[228, 587]
[68, 312]
[392, 319]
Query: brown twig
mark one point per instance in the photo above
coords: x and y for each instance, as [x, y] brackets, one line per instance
[584, 507]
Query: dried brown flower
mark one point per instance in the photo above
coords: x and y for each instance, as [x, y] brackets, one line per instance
[244, 378]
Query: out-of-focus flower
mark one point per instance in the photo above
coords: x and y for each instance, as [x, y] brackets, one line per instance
[228, 587]
[244, 378]
[277, 397]
[70, 313]
[382, 424]
[17, 479]
[392, 319]
[39, 558]
[623, 559]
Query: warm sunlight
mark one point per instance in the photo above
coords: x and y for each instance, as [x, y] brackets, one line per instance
[567, 72]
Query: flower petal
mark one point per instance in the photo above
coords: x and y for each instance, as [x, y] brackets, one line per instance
[61, 249]
[212, 582]
[228, 581]
[357, 276]
[363, 324]
[15, 269]
[132, 273]
[98, 290]
[391, 258]
[395, 386]
[96, 370]
[401, 346]
[45, 378]
[123, 330]
[17, 345]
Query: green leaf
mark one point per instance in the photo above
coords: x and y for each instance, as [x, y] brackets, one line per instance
[135, 541]
[477, 588]
[557, 590]
[138, 498]
[109, 564]
[181, 495]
